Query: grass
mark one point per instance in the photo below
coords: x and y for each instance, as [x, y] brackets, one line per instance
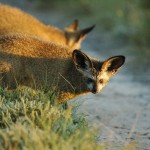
[30, 119]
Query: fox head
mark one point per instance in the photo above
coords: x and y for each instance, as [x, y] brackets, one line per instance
[74, 36]
[96, 73]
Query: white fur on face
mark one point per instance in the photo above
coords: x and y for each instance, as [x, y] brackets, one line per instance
[103, 75]
[95, 81]
[99, 87]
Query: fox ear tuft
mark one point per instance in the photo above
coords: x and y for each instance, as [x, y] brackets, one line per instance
[73, 26]
[81, 61]
[113, 64]
[84, 32]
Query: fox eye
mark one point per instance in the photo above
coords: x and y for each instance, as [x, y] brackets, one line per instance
[101, 81]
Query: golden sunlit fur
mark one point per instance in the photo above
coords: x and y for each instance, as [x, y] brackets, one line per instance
[30, 61]
[13, 20]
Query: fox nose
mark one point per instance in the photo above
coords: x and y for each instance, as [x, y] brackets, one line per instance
[94, 90]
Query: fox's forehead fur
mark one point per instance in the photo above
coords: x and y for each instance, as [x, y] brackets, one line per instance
[96, 68]
[97, 72]
[97, 64]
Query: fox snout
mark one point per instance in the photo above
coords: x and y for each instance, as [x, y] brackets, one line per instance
[95, 90]
[93, 87]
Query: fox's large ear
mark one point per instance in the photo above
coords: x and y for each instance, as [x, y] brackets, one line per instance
[73, 26]
[82, 33]
[81, 61]
[113, 64]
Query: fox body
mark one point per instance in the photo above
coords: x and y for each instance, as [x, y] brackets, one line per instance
[13, 20]
[33, 62]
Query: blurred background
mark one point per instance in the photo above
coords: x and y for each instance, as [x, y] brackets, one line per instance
[122, 28]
